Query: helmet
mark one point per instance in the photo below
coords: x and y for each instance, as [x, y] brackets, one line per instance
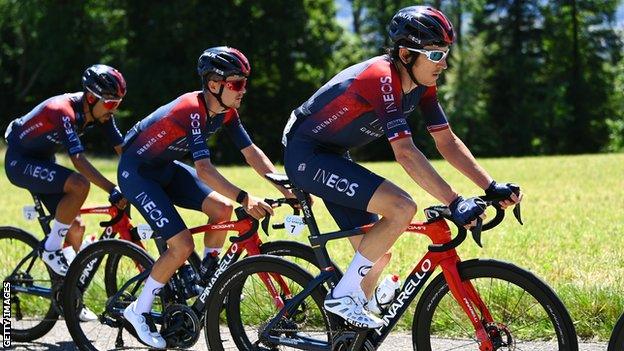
[223, 61]
[419, 26]
[104, 80]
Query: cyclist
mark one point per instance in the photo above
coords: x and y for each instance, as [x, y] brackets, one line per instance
[154, 179]
[358, 105]
[60, 120]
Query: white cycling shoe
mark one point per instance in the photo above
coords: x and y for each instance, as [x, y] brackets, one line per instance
[352, 309]
[55, 260]
[86, 315]
[144, 327]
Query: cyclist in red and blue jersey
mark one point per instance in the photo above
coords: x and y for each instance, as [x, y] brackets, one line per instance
[154, 180]
[33, 140]
[360, 104]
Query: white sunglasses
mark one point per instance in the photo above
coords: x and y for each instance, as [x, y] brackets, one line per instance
[432, 55]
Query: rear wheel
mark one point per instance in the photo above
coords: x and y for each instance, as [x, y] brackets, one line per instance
[250, 306]
[85, 285]
[32, 312]
[527, 315]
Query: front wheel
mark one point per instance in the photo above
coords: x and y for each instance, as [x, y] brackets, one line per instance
[616, 343]
[32, 311]
[85, 286]
[527, 315]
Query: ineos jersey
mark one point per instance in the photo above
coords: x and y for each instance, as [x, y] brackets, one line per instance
[361, 104]
[179, 128]
[59, 120]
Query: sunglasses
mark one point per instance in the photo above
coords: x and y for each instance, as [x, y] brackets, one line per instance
[432, 55]
[109, 104]
[235, 85]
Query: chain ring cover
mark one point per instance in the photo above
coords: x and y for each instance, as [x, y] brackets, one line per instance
[181, 326]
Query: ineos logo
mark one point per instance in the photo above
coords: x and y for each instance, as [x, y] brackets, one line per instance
[334, 181]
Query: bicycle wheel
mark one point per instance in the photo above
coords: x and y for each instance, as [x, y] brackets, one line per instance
[85, 286]
[250, 306]
[616, 342]
[527, 314]
[111, 282]
[32, 312]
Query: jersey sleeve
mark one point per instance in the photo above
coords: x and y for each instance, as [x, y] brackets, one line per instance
[232, 124]
[112, 132]
[381, 88]
[434, 116]
[196, 136]
[67, 131]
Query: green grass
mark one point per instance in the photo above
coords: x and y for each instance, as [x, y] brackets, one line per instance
[572, 238]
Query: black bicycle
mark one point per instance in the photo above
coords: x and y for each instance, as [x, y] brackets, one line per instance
[179, 307]
[472, 305]
[616, 342]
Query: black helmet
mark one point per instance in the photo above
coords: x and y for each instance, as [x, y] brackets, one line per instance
[222, 61]
[419, 26]
[104, 80]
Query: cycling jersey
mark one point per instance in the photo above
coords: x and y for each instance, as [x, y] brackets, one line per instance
[59, 120]
[179, 128]
[361, 104]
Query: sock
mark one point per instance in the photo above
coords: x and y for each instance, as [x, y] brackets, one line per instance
[352, 278]
[210, 250]
[145, 300]
[57, 236]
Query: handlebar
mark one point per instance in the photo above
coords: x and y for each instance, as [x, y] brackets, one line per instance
[435, 213]
[274, 203]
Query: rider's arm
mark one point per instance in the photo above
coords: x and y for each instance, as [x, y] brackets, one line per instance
[256, 158]
[209, 175]
[421, 171]
[91, 173]
[458, 155]
[117, 149]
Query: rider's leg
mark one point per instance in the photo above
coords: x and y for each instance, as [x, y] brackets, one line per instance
[219, 209]
[179, 248]
[76, 189]
[370, 280]
[75, 234]
[397, 209]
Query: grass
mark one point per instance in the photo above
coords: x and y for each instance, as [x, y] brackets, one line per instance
[573, 236]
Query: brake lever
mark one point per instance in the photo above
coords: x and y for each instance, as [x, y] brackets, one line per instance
[265, 224]
[517, 213]
[476, 232]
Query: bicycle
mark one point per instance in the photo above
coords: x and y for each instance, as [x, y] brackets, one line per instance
[180, 304]
[35, 287]
[472, 305]
[616, 341]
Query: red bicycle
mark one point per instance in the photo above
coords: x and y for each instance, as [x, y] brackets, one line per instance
[35, 290]
[477, 304]
[180, 306]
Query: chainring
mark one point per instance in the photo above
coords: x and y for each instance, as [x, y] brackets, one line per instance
[181, 326]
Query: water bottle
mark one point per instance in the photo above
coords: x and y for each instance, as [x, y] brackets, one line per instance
[384, 294]
[90, 239]
[208, 266]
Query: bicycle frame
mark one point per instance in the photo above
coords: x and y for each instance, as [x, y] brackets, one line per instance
[438, 232]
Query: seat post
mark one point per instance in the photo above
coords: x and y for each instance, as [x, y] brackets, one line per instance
[43, 218]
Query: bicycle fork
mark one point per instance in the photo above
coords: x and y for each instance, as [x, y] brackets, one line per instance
[468, 298]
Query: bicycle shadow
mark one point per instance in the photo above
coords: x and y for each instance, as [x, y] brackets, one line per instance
[37, 346]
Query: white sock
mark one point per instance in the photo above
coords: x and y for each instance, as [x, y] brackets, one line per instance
[57, 236]
[145, 300]
[210, 250]
[352, 278]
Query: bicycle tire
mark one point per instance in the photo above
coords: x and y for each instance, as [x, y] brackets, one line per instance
[50, 317]
[73, 298]
[231, 284]
[616, 342]
[554, 311]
